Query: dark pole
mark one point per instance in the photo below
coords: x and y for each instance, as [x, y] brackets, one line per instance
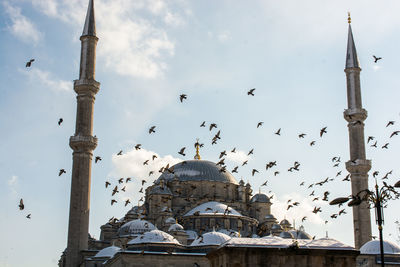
[379, 221]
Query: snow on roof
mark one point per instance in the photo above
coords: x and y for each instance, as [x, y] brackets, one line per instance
[137, 226]
[278, 242]
[213, 208]
[373, 247]
[175, 227]
[154, 236]
[230, 233]
[211, 239]
[107, 252]
[298, 234]
[191, 234]
[170, 220]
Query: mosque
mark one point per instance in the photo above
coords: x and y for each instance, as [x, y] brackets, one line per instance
[196, 213]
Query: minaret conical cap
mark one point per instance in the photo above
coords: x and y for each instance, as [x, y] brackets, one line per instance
[90, 24]
[351, 55]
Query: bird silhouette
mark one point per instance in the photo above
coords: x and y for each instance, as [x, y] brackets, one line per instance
[235, 169]
[390, 123]
[312, 143]
[151, 130]
[61, 172]
[253, 172]
[120, 180]
[127, 202]
[123, 188]
[303, 219]
[21, 204]
[212, 125]
[143, 182]
[203, 124]
[394, 133]
[113, 201]
[146, 162]
[374, 144]
[182, 97]
[376, 58]
[107, 184]
[385, 146]
[181, 152]
[138, 146]
[119, 153]
[260, 124]
[244, 162]
[128, 179]
[322, 131]
[278, 132]
[60, 120]
[97, 159]
[29, 63]
[251, 92]
[302, 135]
[233, 150]
[28, 216]
[370, 138]
[115, 190]
[250, 152]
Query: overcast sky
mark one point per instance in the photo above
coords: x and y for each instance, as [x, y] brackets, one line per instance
[151, 51]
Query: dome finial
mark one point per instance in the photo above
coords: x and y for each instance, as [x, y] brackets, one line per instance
[197, 145]
[349, 17]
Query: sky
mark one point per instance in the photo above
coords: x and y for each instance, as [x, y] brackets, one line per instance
[151, 51]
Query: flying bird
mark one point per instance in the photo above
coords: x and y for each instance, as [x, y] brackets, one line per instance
[128, 179]
[115, 190]
[250, 152]
[322, 131]
[28, 216]
[113, 201]
[127, 202]
[21, 204]
[182, 97]
[119, 153]
[370, 138]
[374, 144]
[60, 121]
[235, 169]
[251, 92]
[390, 123]
[253, 172]
[376, 58]
[29, 63]
[107, 184]
[120, 180]
[212, 125]
[97, 159]
[260, 124]
[203, 124]
[151, 130]
[146, 162]
[138, 146]
[233, 150]
[278, 132]
[394, 133]
[302, 135]
[312, 143]
[181, 152]
[385, 146]
[61, 172]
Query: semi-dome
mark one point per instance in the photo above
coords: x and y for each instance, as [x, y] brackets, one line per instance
[373, 247]
[135, 227]
[107, 252]
[211, 239]
[154, 236]
[286, 235]
[198, 170]
[213, 208]
[176, 227]
[263, 198]
[299, 234]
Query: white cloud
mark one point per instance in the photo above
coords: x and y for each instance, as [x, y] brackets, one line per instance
[46, 78]
[238, 157]
[134, 40]
[130, 164]
[12, 183]
[279, 209]
[224, 36]
[22, 27]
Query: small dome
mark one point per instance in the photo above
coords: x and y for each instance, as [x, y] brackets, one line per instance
[135, 227]
[213, 208]
[284, 222]
[373, 247]
[176, 227]
[298, 234]
[107, 252]
[198, 170]
[170, 220]
[211, 239]
[160, 190]
[262, 198]
[192, 235]
[231, 233]
[276, 227]
[286, 235]
[154, 236]
[270, 217]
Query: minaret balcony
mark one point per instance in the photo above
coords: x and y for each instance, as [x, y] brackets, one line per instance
[83, 143]
[358, 166]
[85, 86]
[356, 114]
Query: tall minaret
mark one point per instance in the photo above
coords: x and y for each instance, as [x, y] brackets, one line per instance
[83, 144]
[358, 166]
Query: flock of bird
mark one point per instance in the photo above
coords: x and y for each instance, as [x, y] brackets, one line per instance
[271, 166]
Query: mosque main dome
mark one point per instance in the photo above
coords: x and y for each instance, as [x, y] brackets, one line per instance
[198, 170]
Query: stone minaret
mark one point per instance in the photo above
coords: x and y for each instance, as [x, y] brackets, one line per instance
[83, 144]
[358, 166]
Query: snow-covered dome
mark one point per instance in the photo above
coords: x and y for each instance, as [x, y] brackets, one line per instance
[107, 252]
[176, 227]
[154, 236]
[373, 247]
[260, 198]
[284, 222]
[299, 234]
[192, 235]
[213, 208]
[231, 233]
[198, 170]
[135, 227]
[170, 220]
[269, 217]
[211, 239]
[286, 235]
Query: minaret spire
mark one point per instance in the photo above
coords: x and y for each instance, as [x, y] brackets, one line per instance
[83, 143]
[358, 166]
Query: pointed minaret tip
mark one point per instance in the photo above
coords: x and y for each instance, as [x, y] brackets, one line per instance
[90, 24]
[351, 55]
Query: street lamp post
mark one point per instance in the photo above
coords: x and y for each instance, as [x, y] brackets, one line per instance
[377, 198]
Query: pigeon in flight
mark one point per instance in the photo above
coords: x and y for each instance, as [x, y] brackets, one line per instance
[182, 97]
[60, 121]
[29, 63]
[151, 130]
[251, 92]
[97, 159]
[376, 58]
[61, 172]
[21, 204]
